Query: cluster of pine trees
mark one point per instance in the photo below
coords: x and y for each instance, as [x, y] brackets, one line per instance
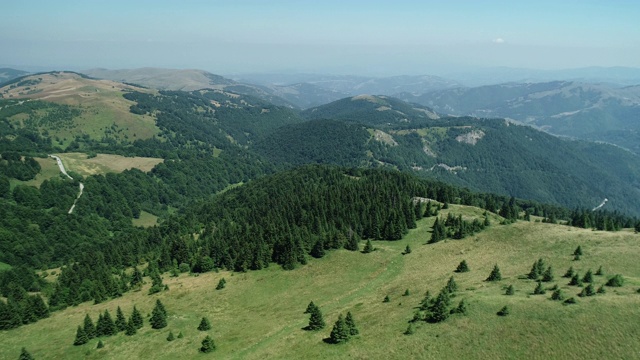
[454, 227]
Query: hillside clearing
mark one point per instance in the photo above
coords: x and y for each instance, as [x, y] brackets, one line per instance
[260, 313]
[104, 163]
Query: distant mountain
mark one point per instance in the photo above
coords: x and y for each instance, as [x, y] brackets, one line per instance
[7, 74]
[588, 111]
[622, 76]
[313, 90]
[371, 110]
[186, 80]
[488, 155]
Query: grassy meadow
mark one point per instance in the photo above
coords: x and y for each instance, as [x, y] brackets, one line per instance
[260, 313]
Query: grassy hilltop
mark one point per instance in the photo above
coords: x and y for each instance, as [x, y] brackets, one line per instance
[259, 314]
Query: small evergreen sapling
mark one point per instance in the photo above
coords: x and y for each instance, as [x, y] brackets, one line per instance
[578, 251]
[587, 291]
[547, 276]
[406, 293]
[504, 311]
[569, 273]
[316, 321]
[462, 267]
[386, 299]
[170, 337]
[616, 281]
[221, 284]
[351, 324]
[557, 295]
[407, 250]
[495, 274]
[410, 329]
[310, 308]
[131, 328]
[539, 290]
[599, 272]
[207, 345]
[121, 321]
[158, 318]
[510, 290]
[601, 290]
[25, 355]
[136, 318]
[368, 248]
[340, 332]
[588, 277]
[575, 280]
[100, 344]
[204, 324]
[81, 337]
[89, 328]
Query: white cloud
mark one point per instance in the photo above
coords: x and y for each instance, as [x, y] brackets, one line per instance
[498, 41]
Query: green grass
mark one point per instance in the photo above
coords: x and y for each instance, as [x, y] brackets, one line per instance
[146, 220]
[48, 169]
[260, 313]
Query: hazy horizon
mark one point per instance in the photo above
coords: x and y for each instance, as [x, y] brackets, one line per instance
[356, 37]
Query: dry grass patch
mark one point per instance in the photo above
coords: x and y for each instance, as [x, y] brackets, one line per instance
[104, 163]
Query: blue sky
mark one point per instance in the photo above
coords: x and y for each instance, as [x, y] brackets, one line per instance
[361, 37]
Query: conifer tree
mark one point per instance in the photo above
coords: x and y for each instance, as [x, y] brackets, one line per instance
[352, 243]
[158, 318]
[406, 293]
[180, 336]
[462, 267]
[495, 274]
[316, 321]
[136, 318]
[318, 249]
[539, 290]
[89, 328]
[504, 311]
[440, 308]
[108, 326]
[131, 328]
[410, 330]
[462, 307]
[81, 337]
[221, 284]
[121, 321]
[547, 276]
[407, 250]
[587, 291]
[616, 281]
[100, 344]
[599, 272]
[557, 295]
[368, 247]
[310, 308]
[588, 277]
[170, 337]
[577, 251]
[575, 280]
[25, 355]
[204, 324]
[569, 272]
[136, 278]
[351, 324]
[601, 290]
[386, 299]
[451, 286]
[426, 301]
[340, 332]
[207, 345]
[510, 290]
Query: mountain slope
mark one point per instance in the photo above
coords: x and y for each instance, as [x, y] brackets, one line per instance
[483, 154]
[7, 74]
[185, 80]
[587, 111]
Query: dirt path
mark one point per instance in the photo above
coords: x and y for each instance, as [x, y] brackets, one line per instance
[62, 170]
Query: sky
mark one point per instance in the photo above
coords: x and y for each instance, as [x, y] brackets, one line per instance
[330, 36]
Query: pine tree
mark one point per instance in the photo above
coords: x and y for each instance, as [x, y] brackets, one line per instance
[569, 272]
[601, 290]
[547, 276]
[207, 345]
[100, 344]
[577, 251]
[539, 290]
[352, 244]
[451, 286]
[495, 274]
[462, 307]
[121, 321]
[575, 280]
[221, 284]
[368, 248]
[170, 337]
[318, 249]
[407, 250]
[340, 332]
[504, 311]
[204, 324]
[599, 272]
[136, 278]
[316, 321]
[109, 327]
[25, 355]
[386, 299]
[131, 327]
[536, 270]
[588, 277]
[587, 291]
[616, 281]
[351, 324]
[310, 308]
[100, 326]
[510, 290]
[180, 336]
[136, 318]
[406, 293]
[462, 267]
[158, 318]
[557, 295]
[81, 337]
[410, 330]
[89, 328]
